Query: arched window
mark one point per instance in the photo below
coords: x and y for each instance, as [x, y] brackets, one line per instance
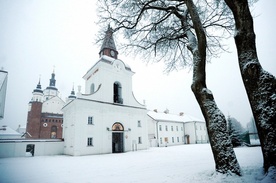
[92, 88]
[54, 132]
[117, 97]
[117, 127]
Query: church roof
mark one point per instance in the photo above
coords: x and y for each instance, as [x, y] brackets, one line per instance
[108, 40]
[161, 116]
[38, 88]
[52, 84]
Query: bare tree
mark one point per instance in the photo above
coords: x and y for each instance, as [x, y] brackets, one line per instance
[259, 84]
[175, 31]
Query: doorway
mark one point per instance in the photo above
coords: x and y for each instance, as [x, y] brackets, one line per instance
[117, 142]
[117, 138]
[30, 149]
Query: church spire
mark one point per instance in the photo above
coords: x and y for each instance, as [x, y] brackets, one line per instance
[72, 95]
[37, 93]
[108, 47]
[38, 87]
[52, 84]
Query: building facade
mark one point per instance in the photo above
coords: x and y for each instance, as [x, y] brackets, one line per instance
[165, 129]
[45, 118]
[106, 118]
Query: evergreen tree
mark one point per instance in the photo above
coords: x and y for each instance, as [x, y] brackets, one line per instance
[234, 132]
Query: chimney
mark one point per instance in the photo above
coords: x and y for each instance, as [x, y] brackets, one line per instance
[155, 110]
[166, 111]
[181, 114]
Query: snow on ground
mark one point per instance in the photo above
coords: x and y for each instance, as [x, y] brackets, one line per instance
[175, 164]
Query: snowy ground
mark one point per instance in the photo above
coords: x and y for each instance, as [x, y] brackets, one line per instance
[177, 164]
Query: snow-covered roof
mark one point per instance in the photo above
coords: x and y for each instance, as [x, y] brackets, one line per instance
[5, 130]
[161, 116]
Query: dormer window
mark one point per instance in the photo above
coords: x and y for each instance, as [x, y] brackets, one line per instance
[117, 93]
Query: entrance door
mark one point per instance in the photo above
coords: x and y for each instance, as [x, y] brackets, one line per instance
[117, 138]
[117, 142]
[30, 148]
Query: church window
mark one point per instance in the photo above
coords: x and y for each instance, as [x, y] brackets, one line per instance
[139, 123]
[90, 120]
[117, 127]
[117, 93]
[90, 141]
[54, 132]
[92, 88]
[139, 140]
[166, 127]
[160, 128]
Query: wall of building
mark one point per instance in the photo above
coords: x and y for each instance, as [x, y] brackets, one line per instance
[195, 133]
[77, 130]
[17, 148]
[53, 105]
[170, 133]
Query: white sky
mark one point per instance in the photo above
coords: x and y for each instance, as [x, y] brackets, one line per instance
[37, 35]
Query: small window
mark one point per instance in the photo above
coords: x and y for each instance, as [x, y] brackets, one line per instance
[172, 139]
[177, 139]
[181, 128]
[92, 88]
[161, 140]
[176, 128]
[117, 93]
[54, 132]
[166, 128]
[139, 140]
[160, 128]
[90, 141]
[90, 120]
[139, 123]
[200, 127]
[172, 128]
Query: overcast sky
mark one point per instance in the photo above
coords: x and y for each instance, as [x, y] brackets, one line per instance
[37, 36]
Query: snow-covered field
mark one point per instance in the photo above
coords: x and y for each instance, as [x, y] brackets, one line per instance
[177, 164]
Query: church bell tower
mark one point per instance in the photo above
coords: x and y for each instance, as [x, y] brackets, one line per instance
[108, 47]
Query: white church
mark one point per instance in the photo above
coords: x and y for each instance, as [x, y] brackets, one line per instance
[106, 118]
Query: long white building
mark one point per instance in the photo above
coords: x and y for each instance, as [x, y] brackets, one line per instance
[165, 129]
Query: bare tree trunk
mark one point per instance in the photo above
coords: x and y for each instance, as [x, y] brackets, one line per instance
[224, 155]
[259, 84]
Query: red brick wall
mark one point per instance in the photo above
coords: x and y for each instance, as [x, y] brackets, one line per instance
[39, 125]
[33, 120]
